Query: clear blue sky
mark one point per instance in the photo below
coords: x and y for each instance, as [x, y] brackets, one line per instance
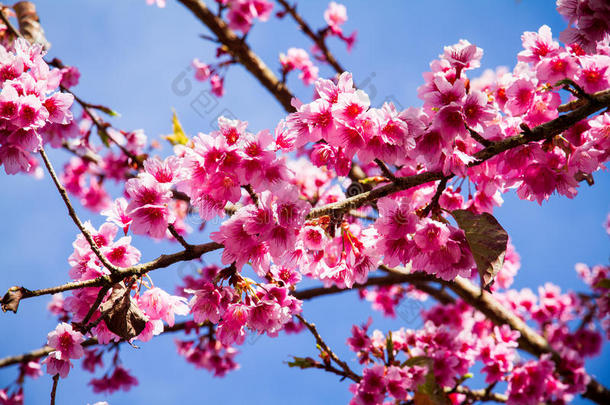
[129, 54]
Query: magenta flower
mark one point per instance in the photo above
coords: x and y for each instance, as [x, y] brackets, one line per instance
[66, 341]
[520, 96]
[149, 206]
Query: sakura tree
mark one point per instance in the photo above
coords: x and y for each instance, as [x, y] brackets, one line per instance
[396, 204]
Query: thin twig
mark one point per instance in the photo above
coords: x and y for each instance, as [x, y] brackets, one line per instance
[251, 193]
[178, 237]
[54, 389]
[385, 170]
[433, 205]
[317, 39]
[323, 346]
[74, 216]
[98, 300]
[9, 25]
[478, 137]
[139, 270]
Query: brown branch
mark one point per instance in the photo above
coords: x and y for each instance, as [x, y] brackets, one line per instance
[415, 278]
[45, 350]
[178, 237]
[323, 346]
[162, 261]
[317, 39]
[101, 126]
[251, 193]
[544, 131]
[29, 23]
[433, 205]
[326, 367]
[8, 23]
[240, 51]
[54, 388]
[95, 306]
[243, 54]
[478, 137]
[384, 169]
[74, 216]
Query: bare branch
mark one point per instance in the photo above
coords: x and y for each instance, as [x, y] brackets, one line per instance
[54, 388]
[317, 39]
[323, 346]
[72, 213]
[240, 51]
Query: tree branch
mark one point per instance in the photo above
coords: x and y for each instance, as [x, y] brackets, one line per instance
[317, 39]
[72, 213]
[162, 261]
[240, 51]
[323, 346]
[54, 388]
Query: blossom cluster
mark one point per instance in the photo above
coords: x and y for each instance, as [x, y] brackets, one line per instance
[29, 105]
[335, 16]
[589, 22]
[298, 59]
[453, 338]
[265, 201]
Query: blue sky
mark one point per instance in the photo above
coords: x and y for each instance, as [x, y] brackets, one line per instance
[129, 55]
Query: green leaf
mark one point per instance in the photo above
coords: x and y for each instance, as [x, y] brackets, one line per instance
[107, 110]
[605, 283]
[178, 137]
[389, 346]
[487, 240]
[301, 362]
[430, 392]
[417, 361]
[104, 137]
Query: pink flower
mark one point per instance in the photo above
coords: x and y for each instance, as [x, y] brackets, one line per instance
[350, 106]
[209, 303]
[202, 70]
[66, 341]
[32, 113]
[149, 206]
[217, 85]
[158, 304]
[70, 76]
[335, 15]
[120, 379]
[9, 100]
[594, 74]
[165, 171]
[463, 56]
[520, 96]
[57, 365]
[231, 329]
[58, 107]
[117, 214]
[562, 66]
[538, 45]
[396, 218]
